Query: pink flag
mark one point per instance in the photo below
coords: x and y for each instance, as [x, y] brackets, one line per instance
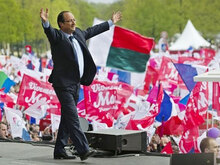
[81, 108]
[152, 97]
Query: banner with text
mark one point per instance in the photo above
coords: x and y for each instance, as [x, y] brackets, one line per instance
[33, 91]
[104, 100]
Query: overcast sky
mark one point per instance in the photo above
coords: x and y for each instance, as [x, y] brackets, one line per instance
[102, 1]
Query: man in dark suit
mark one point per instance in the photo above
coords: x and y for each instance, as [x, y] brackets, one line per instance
[73, 65]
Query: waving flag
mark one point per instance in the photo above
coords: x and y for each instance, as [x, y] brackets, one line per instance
[216, 96]
[37, 110]
[152, 97]
[187, 72]
[33, 92]
[55, 122]
[1, 110]
[196, 106]
[189, 140]
[167, 149]
[104, 100]
[5, 82]
[121, 48]
[17, 124]
[171, 127]
[165, 109]
[184, 100]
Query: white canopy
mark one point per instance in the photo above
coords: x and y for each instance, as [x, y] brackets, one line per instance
[190, 37]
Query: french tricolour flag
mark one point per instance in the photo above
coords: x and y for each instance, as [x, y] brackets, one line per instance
[187, 72]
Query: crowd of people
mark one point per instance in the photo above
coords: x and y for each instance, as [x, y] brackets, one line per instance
[37, 133]
[34, 133]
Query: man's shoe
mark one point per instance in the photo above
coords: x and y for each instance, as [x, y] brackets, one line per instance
[87, 154]
[63, 156]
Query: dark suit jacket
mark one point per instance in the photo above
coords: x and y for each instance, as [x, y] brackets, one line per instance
[66, 69]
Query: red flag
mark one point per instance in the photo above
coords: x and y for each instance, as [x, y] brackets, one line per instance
[169, 76]
[167, 149]
[33, 90]
[152, 73]
[6, 99]
[151, 77]
[196, 106]
[28, 48]
[145, 122]
[103, 100]
[199, 57]
[171, 127]
[189, 140]
[216, 96]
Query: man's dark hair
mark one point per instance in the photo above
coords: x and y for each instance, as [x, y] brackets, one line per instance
[60, 17]
[1, 122]
[205, 143]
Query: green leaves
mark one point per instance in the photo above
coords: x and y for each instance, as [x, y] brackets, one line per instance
[21, 24]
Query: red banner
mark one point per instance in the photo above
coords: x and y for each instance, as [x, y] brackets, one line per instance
[216, 97]
[188, 140]
[33, 90]
[196, 106]
[201, 57]
[103, 100]
[169, 76]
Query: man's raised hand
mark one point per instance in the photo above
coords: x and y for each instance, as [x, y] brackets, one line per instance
[116, 16]
[44, 14]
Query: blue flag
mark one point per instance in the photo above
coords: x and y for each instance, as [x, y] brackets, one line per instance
[187, 72]
[165, 109]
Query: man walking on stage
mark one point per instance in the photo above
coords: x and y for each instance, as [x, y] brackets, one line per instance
[73, 65]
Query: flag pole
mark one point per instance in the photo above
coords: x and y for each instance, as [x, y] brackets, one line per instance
[207, 125]
[212, 118]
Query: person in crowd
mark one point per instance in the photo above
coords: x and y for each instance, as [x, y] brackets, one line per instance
[163, 43]
[210, 145]
[35, 137]
[35, 133]
[175, 146]
[46, 134]
[163, 142]
[73, 65]
[3, 130]
[155, 142]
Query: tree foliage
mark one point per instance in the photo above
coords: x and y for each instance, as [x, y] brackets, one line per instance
[21, 24]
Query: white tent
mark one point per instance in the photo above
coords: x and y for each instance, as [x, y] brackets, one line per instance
[190, 37]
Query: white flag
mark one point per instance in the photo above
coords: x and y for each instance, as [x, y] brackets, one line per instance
[37, 110]
[55, 122]
[17, 124]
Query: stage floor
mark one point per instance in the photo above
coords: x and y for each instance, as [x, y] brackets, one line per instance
[14, 153]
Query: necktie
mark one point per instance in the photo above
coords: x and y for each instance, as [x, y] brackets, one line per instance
[71, 38]
[74, 50]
